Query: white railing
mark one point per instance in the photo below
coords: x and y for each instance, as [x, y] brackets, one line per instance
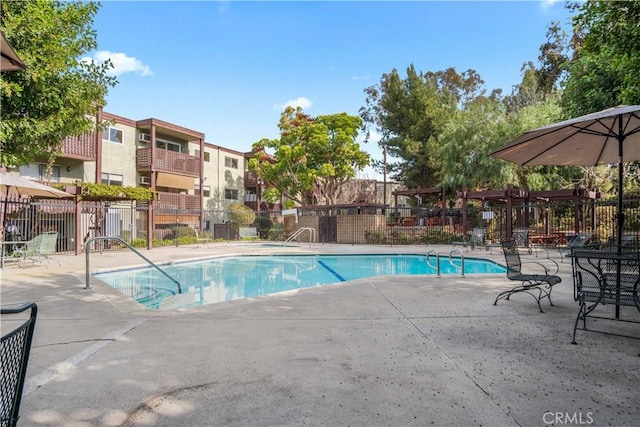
[436, 254]
[298, 233]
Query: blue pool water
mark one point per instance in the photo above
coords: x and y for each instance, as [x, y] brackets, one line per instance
[230, 278]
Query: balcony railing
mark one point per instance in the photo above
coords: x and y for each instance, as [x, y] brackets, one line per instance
[167, 161]
[80, 147]
[176, 201]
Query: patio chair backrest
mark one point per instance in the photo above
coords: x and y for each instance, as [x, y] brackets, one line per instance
[511, 256]
[43, 244]
[15, 347]
[578, 240]
[521, 236]
[478, 235]
[628, 239]
[48, 243]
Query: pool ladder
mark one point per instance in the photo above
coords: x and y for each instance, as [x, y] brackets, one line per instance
[435, 253]
[134, 250]
[299, 231]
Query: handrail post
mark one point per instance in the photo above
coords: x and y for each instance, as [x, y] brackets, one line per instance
[461, 259]
[120, 240]
[437, 266]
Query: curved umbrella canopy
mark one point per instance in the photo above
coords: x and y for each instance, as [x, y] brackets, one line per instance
[10, 60]
[15, 185]
[606, 137]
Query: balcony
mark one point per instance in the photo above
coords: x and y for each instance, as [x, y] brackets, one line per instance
[176, 201]
[167, 161]
[80, 147]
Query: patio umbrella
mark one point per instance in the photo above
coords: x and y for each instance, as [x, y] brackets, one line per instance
[606, 137]
[10, 60]
[16, 185]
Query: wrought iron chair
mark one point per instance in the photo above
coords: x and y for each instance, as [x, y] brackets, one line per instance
[574, 241]
[521, 235]
[15, 348]
[605, 277]
[475, 237]
[531, 284]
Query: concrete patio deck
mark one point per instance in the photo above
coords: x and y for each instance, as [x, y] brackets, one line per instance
[385, 351]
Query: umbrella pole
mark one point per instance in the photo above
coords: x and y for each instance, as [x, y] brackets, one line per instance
[4, 213]
[620, 216]
[4, 226]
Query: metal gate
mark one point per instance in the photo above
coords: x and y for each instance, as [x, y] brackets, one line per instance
[327, 229]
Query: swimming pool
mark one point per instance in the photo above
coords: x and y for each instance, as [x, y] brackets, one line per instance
[229, 278]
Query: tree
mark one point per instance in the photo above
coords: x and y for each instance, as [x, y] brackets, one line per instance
[240, 216]
[313, 156]
[604, 70]
[409, 113]
[605, 67]
[465, 142]
[58, 94]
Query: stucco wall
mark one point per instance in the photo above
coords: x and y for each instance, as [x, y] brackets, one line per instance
[351, 228]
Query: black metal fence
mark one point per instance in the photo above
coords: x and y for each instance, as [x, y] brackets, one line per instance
[363, 224]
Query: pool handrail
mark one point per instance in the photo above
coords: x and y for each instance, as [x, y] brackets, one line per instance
[437, 255]
[299, 231]
[461, 267]
[433, 252]
[134, 250]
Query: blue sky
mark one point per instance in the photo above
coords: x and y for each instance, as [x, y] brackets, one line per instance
[228, 69]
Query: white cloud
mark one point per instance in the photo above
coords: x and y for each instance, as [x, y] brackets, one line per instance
[301, 102]
[547, 4]
[121, 63]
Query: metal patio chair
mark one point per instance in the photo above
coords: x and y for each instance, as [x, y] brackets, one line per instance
[15, 348]
[39, 248]
[540, 283]
[521, 235]
[574, 241]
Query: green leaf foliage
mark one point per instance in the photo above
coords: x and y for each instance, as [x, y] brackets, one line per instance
[606, 65]
[59, 93]
[312, 158]
[91, 191]
[240, 216]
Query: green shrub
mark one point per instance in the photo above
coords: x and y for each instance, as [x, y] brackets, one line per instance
[264, 225]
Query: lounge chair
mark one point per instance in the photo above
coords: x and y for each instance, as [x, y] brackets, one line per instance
[39, 248]
[574, 241]
[201, 239]
[532, 284]
[475, 238]
[15, 347]
[521, 236]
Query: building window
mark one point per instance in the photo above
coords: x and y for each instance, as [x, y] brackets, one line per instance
[230, 194]
[168, 145]
[42, 173]
[112, 179]
[207, 155]
[112, 135]
[230, 162]
[206, 190]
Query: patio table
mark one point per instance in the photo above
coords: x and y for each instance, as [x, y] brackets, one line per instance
[2, 249]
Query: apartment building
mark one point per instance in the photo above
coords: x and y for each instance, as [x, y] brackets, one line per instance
[188, 174]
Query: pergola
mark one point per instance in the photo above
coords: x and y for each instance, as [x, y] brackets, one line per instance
[511, 195]
[419, 192]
